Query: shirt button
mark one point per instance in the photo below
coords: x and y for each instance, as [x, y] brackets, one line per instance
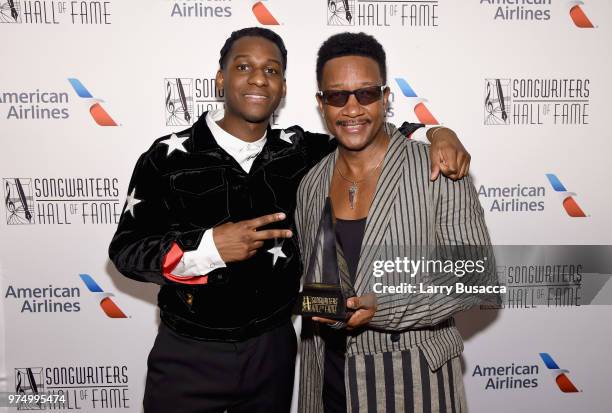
[395, 337]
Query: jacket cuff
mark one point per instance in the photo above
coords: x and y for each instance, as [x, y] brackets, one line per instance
[171, 260]
[189, 240]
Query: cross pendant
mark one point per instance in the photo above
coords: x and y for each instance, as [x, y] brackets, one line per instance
[352, 195]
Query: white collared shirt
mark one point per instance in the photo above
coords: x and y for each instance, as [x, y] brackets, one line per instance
[243, 152]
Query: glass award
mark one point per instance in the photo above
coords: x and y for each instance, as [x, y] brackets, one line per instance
[322, 294]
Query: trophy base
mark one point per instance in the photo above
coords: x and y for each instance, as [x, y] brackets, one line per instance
[322, 300]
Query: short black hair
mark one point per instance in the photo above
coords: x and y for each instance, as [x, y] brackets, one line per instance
[255, 32]
[352, 44]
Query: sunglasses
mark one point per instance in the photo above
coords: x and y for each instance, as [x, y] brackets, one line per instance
[364, 96]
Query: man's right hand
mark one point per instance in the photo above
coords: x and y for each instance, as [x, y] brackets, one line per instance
[238, 241]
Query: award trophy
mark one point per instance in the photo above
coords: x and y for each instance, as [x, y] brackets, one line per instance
[324, 298]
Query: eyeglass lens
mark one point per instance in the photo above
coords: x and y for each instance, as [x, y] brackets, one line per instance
[364, 96]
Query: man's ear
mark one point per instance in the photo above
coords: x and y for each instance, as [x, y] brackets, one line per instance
[219, 80]
[386, 93]
[320, 104]
[284, 87]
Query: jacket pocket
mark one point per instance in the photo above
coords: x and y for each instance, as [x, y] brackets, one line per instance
[202, 196]
[198, 183]
[287, 167]
[283, 175]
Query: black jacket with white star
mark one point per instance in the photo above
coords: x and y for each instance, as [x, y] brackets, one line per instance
[178, 195]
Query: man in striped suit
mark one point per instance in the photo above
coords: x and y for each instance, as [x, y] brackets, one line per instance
[397, 351]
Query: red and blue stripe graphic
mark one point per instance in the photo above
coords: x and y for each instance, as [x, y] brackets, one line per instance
[578, 15]
[568, 201]
[98, 113]
[564, 383]
[108, 305]
[420, 110]
[263, 15]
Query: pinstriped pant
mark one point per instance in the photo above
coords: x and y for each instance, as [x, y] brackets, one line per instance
[403, 382]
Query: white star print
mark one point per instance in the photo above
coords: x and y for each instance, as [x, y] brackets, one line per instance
[277, 251]
[131, 202]
[286, 136]
[175, 144]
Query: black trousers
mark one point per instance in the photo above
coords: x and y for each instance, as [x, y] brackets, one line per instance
[334, 395]
[186, 375]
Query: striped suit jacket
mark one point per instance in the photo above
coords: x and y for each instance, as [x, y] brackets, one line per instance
[408, 212]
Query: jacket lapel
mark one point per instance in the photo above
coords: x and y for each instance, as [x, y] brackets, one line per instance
[315, 218]
[319, 204]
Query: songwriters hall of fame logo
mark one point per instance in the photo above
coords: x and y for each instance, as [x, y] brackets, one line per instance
[62, 201]
[10, 11]
[497, 102]
[84, 388]
[53, 12]
[537, 101]
[340, 12]
[29, 381]
[179, 101]
[185, 99]
[378, 13]
[18, 201]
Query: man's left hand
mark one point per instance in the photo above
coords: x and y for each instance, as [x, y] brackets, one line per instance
[447, 154]
[364, 309]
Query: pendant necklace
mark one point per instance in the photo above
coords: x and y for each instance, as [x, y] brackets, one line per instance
[352, 192]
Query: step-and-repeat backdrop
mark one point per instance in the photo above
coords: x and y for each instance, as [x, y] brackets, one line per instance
[87, 85]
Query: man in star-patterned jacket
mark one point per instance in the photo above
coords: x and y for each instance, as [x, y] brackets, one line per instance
[209, 216]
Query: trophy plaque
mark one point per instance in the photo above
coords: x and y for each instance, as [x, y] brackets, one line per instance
[322, 294]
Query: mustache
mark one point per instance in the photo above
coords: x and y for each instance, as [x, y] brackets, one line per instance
[352, 122]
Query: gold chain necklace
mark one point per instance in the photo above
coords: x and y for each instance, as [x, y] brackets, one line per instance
[352, 191]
